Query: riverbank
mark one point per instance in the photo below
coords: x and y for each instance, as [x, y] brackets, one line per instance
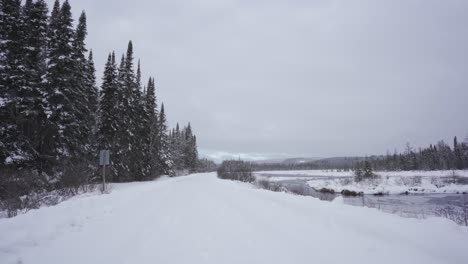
[393, 185]
[386, 182]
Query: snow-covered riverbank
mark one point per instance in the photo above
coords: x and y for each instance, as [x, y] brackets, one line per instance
[391, 185]
[388, 182]
[349, 173]
[202, 219]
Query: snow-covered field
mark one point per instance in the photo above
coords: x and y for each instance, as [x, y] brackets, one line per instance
[202, 219]
[389, 182]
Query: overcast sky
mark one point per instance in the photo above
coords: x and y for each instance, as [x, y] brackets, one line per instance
[266, 79]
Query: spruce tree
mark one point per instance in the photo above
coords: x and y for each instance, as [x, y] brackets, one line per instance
[178, 148]
[151, 133]
[85, 87]
[368, 172]
[121, 125]
[31, 105]
[92, 91]
[108, 113]
[165, 158]
[64, 96]
[125, 132]
[132, 103]
[15, 147]
[458, 154]
[138, 76]
[140, 118]
[190, 149]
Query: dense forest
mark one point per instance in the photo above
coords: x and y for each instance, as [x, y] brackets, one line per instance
[440, 156]
[54, 119]
[435, 157]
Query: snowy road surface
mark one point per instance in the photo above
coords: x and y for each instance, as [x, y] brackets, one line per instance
[201, 219]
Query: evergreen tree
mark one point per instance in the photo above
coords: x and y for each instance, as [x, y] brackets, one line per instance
[180, 148]
[92, 91]
[368, 172]
[61, 95]
[109, 113]
[465, 153]
[190, 149]
[137, 118]
[358, 171]
[53, 120]
[151, 146]
[122, 126]
[131, 120]
[14, 148]
[138, 76]
[165, 158]
[458, 154]
[86, 91]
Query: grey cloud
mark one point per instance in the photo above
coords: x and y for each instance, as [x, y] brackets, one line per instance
[317, 78]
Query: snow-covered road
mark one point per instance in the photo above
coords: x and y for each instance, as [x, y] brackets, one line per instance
[201, 219]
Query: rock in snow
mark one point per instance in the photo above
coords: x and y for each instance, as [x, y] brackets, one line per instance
[202, 219]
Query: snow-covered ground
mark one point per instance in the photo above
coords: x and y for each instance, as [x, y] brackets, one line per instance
[300, 174]
[202, 219]
[391, 185]
[389, 182]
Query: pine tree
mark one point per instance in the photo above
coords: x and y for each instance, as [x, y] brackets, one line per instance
[15, 147]
[140, 118]
[151, 132]
[92, 91]
[165, 158]
[458, 154]
[190, 149]
[129, 127]
[368, 172]
[138, 76]
[121, 126]
[465, 153]
[66, 105]
[109, 113]
[179, 148]
[136, 117]
[85, 88]
[30, 103]
[358, 171]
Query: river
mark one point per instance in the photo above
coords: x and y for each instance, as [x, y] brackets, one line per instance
[451, 206]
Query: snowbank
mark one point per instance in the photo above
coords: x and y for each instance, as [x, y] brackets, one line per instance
[202, 219]
[306, 173]
[334, 173]
[390, 185]
[390, 182]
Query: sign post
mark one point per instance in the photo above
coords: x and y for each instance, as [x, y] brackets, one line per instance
[104, 159]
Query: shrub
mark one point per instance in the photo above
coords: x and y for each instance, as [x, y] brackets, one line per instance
[350, 193]
[326, 190]
[363, 171]
[25, 189]
[236, 170]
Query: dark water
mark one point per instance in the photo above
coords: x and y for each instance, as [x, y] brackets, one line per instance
[451, 206]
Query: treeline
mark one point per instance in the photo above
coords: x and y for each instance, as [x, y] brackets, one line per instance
[236, 170]
[183, 146]
[206, 165]
[435, 157]
[345, 163]
[54, 120]
[440, 156]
